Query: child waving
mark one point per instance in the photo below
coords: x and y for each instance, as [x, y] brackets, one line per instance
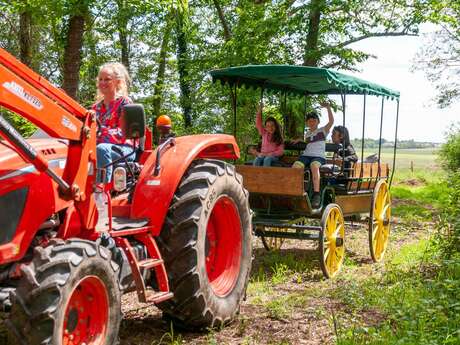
[314, 154]
[272, 141]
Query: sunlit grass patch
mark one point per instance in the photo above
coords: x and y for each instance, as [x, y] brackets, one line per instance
[419, 201]
[282, 307]
[417, 302]
[410, 255]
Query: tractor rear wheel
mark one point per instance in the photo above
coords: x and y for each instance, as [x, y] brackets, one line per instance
[69, 294]
[206, 245]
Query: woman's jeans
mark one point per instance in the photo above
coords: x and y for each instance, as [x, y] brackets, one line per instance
[265, 161]
[106, 155]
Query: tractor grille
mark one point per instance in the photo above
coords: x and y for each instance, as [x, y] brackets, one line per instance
[11, 207]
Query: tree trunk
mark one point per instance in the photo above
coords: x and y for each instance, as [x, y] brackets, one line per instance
[312, 55]
[183, 61]
[223, 21]
[25, 37]
[122, 21]
[72, 54]
[159, 83]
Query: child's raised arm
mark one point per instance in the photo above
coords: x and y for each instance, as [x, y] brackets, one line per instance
[330, 116]
[259, 124]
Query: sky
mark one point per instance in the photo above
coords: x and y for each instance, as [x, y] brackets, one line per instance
[420, 119]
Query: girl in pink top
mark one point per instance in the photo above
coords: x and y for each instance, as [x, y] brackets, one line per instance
[272, 141]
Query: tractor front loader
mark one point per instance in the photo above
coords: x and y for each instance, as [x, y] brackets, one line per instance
[174, 225]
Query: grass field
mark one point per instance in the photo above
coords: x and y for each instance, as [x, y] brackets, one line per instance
[421, 158]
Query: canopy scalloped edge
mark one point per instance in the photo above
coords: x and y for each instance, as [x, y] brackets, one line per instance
[299, 80]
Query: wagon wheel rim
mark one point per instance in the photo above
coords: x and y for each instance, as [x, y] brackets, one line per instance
[333, 248]
[380, 222]
[87, 313]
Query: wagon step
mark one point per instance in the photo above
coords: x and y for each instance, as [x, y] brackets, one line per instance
[288, 226]
[291, 235]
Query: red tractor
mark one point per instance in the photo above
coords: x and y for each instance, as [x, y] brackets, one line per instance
[176, 229]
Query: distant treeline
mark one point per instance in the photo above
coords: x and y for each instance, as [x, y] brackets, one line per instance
[402, 144]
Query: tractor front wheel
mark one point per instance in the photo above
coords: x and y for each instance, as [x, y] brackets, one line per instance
[69, 294]
[206, 245]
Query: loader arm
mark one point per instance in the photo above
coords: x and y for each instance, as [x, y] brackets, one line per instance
[49, 108]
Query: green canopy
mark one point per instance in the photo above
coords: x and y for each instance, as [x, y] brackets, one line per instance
[299, 80]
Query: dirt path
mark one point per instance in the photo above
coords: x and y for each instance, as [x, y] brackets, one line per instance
[288, 301]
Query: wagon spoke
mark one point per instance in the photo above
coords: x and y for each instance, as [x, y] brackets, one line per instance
[385, 210]
[339, 229]
[326, 253]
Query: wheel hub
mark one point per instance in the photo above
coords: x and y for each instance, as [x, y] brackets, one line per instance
[86, 317]
[223, 246]
[72, 320]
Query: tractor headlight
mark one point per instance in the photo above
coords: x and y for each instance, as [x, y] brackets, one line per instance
[119, 179]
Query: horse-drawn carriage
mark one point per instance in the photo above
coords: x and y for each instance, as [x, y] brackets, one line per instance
[281, 196]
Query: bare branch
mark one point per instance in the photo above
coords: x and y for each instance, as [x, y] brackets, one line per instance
[374, 34]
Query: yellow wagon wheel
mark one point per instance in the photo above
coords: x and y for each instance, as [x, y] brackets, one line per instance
[379, 221]
[331, 240]
[273, 243]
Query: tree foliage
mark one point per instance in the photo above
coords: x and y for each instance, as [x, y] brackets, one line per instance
[440, 56]
[169, 46]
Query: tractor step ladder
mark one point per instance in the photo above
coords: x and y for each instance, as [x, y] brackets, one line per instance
[154, 262]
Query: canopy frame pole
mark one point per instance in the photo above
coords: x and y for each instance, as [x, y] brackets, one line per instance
[396, 142]
[261, 103]
[285, 117]
[344, 100]
[380, 140]
[234, 95]
[360, 181]
[304, 115]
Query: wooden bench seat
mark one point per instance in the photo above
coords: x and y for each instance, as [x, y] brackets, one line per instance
[369, 175]
[272, 180]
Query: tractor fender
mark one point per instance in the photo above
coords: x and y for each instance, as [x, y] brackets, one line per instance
[153, 194]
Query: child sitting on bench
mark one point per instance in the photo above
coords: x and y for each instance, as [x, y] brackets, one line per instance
[347, 151]
[272, 141]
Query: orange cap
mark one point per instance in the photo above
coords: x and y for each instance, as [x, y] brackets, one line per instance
[163, 121]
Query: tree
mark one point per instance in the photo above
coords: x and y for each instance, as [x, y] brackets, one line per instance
[25, 36]
[183, 59]
[159, 83]
[122, 23]
[440, 56]
[79, 12]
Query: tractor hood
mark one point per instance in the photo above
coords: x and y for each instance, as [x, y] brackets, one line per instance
[12, 164]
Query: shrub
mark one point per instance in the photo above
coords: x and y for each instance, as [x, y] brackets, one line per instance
[450, 151]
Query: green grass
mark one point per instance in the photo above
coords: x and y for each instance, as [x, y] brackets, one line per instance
[419, 195]
[414, 302]
[421, 202]
[415, 299]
